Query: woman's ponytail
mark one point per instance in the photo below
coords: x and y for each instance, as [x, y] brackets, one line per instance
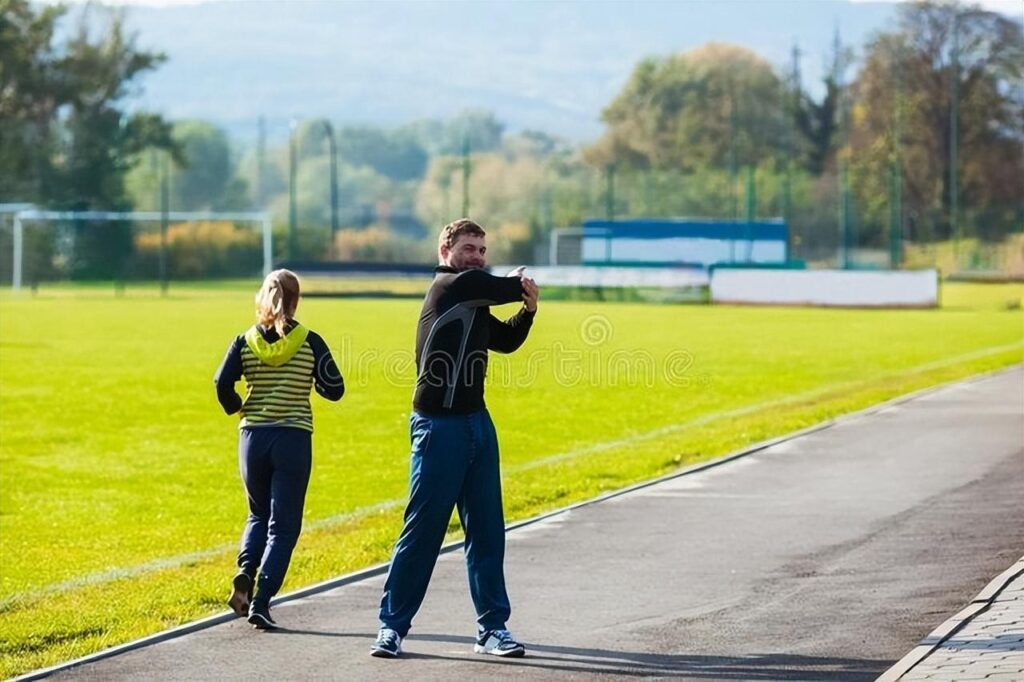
[277, 300]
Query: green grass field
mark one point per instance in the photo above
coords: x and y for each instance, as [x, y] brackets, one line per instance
[120, 501]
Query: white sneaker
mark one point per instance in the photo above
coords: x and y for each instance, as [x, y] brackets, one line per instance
[499, 643]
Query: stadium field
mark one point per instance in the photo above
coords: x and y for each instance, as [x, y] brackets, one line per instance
[120, 501]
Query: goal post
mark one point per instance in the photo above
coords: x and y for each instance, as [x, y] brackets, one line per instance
[32, 215]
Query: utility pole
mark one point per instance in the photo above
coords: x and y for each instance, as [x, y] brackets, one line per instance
[446, 185]
[154, 173]
[165, 200]
[734, 213]
[609, 194]
[751, 210]
[734, 209]
[844, 216]
[648, 193]
[465, 176]
[293, 208]
[845, 246]
[896, 175]
[954, 125]
[791, 106]
[751, 202]
[261, 150]
[329, 131]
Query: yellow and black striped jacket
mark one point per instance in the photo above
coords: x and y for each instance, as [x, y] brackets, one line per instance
[279, 373]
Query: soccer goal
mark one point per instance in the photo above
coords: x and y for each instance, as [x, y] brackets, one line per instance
[167, 237]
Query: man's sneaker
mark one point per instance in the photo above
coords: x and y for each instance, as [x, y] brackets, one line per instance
[388, 644]
[241, 594]
[499, 643]
[259, 616]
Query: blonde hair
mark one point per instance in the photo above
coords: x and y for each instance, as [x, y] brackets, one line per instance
[277, 300]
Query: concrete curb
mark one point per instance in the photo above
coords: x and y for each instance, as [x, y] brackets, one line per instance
[949, 628]
[381, 569]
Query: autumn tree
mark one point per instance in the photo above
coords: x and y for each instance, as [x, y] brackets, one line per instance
[903, 113]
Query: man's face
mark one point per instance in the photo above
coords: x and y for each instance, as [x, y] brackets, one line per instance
[467, 253]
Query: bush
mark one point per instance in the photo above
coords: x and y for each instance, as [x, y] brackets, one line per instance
[203, 249]
[379, 244]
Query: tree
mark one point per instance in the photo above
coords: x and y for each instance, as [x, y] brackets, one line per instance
[30, 93]
[532, 142]
[397, 155]
[66, 141]
[205, 180]
[103, 141]
[718, 105]
[903, 111]
[208, 180]
[818, 122]
[479, 128]
[64, 138]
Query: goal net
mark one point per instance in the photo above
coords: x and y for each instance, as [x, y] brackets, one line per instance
[40, 247]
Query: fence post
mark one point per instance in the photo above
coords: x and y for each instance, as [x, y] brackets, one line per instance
[268, 252]
[18, 235]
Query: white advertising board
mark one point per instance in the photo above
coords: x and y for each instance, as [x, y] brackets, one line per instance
[841, 288]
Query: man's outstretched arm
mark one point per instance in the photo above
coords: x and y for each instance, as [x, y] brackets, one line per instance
[486, 289]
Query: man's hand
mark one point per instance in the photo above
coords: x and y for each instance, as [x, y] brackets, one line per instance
[530, 294]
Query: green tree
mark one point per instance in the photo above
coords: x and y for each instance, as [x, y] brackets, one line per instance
[30, 93]
[397, 155]
[818, 122]
[206, 179]
[480, 128]
[66, 141]
[718, 105]
[103, 142]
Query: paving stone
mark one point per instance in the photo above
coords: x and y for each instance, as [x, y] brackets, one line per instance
[989, 646]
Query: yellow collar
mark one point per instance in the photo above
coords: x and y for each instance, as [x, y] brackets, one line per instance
[279, 352]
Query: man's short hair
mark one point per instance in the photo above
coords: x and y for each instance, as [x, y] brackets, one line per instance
[451, 232]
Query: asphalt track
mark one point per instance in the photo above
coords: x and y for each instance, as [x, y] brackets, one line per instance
[826, 556]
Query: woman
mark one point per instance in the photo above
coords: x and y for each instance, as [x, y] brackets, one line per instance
[280, 360]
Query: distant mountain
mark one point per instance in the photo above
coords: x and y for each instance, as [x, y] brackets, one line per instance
[550, 66]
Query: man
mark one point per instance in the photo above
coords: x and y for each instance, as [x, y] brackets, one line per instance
[454, 445]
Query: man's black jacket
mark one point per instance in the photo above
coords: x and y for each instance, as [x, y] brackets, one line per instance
[456, 330]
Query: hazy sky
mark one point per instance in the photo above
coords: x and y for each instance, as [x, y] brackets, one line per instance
[1013, 8]
[550, 66]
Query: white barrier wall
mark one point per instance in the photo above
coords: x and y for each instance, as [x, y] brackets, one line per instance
[612, 277]
[850, 288]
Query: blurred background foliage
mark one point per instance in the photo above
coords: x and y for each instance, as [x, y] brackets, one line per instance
[713, 132]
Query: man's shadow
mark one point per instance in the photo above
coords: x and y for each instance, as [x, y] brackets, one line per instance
[568, 659]
[641, 664]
